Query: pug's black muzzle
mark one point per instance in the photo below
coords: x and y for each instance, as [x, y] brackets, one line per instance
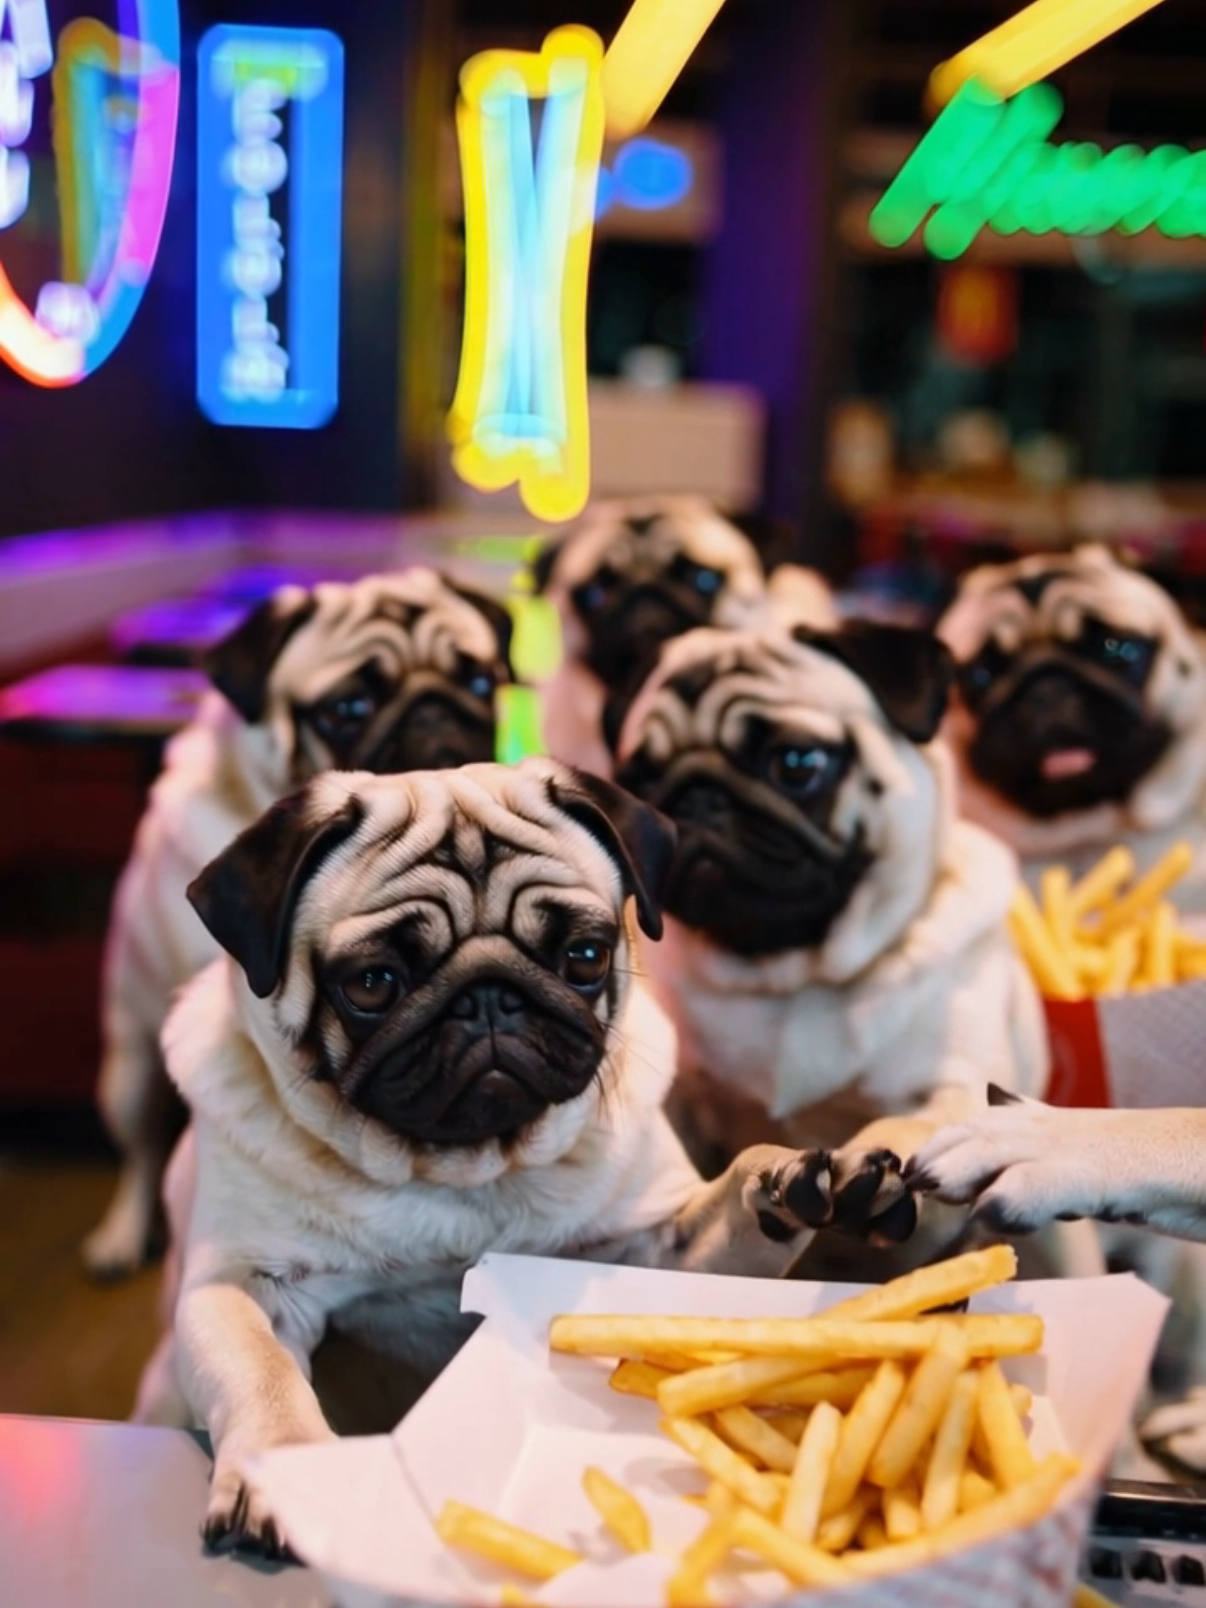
[626, 635]
[756, 872]
[478, 1053]
[1056, 735]
[437, 728]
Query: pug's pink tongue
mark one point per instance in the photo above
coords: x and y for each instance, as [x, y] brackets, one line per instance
[1065, 762]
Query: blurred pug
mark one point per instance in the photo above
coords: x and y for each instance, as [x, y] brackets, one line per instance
[628, 577]
[1081, 713]
[393, 672]
[836, 957]
[427, 1045]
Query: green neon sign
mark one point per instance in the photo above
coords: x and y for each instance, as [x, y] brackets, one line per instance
[987, 163]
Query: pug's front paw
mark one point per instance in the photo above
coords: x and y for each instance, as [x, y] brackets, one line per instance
[238, 1520]
[855, 1192]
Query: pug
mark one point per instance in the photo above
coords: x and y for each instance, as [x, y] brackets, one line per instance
[630, 576]
[426, 1042]
[392, 672]
[1023, 1165]
[1080, 716]
[836, 958]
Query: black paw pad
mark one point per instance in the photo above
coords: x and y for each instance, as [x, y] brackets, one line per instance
[895, 1225]
[807, 1189]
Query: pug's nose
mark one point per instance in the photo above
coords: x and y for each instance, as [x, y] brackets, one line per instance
[486, 1002]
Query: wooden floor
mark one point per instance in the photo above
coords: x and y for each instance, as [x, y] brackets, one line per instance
[68, 1347]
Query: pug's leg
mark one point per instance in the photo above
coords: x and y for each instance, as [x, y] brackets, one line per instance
[246, 1377]
[144, 1115]
[761, 1213]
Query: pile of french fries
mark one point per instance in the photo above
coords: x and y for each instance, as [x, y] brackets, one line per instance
[877, 1436]
[1109, 933]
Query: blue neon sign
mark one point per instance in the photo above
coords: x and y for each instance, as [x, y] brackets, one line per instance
[269, 219]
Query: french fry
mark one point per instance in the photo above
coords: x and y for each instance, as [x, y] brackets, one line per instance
[1148, 890]
[1099, 885]
[1123, 962]
[920, 1409]
[1158, 963]
[637, 1378]
[841, 1389]
[1055, 888]
[802, 1509]
[723, 1463]
[835, 1533]
[724, 1384]
[474, 1531]
[871, 1533]
[619, 1509]
[792, 1424]
[941, 1284]
[940, 1493]
[1009, 1453]
[1050, 967]
[974, 1490]
[745, 1431]
[688, 1585]
[510, 1596]
[805, 1565]
[862, 1430]
[1023, 1399]
[1085, 1597]
[818, 1340]
[902, 1510]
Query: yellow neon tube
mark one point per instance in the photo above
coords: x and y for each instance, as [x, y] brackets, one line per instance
[1043, 37]
[649, 51]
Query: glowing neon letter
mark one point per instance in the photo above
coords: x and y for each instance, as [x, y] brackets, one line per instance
[25, 56]
[267, 305]
[986, 162]
[520, 412]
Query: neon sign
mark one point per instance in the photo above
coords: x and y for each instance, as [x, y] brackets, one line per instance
[519, 414]
[647, 175]
[986, 162]
[269, 216]
[116, 99]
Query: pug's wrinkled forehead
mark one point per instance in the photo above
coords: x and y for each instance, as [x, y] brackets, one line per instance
[642, 540]
[1051, 598]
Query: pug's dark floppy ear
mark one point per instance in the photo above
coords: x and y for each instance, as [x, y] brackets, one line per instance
[909, 672]
[640, 839]
[499, 617]
[248, 895]
[239, 665]
[542, 564]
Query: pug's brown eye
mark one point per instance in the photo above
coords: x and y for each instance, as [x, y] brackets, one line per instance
[371, 991]
[800, 770]
[587, 964]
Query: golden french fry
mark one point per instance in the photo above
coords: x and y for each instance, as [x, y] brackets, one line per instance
[637, 1378]
[1091, 963]
[474, 1531]
[1085, 1597]
[748, 1433]
[835, 1533]
[619, 1509]
[802, 1509]
[510, 1596]
[1051, 968]
[780, 1340]
[841, 1389]
[920, 1408]
[1148, 890]
[688, 1585]
[1100, 884]
[1009, 1453]
[723, 1463]
[1055, 886]
[1191, 968]
[724, 1384]
[1023, 1399]
[871, 1535]
[902, 1510]
[1123, 952]
[939, 1285]
[940, 1493]
[974, 1490]
[862, 1431]
[1008, 1510]
[1158, 963]
[719, 1499]
[805, 1565]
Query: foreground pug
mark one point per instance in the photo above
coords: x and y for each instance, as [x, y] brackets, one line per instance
[628, 577]
[1024, 1165]
[1080, 720]
[391, 673]
[836, 958]
[427, 1044]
